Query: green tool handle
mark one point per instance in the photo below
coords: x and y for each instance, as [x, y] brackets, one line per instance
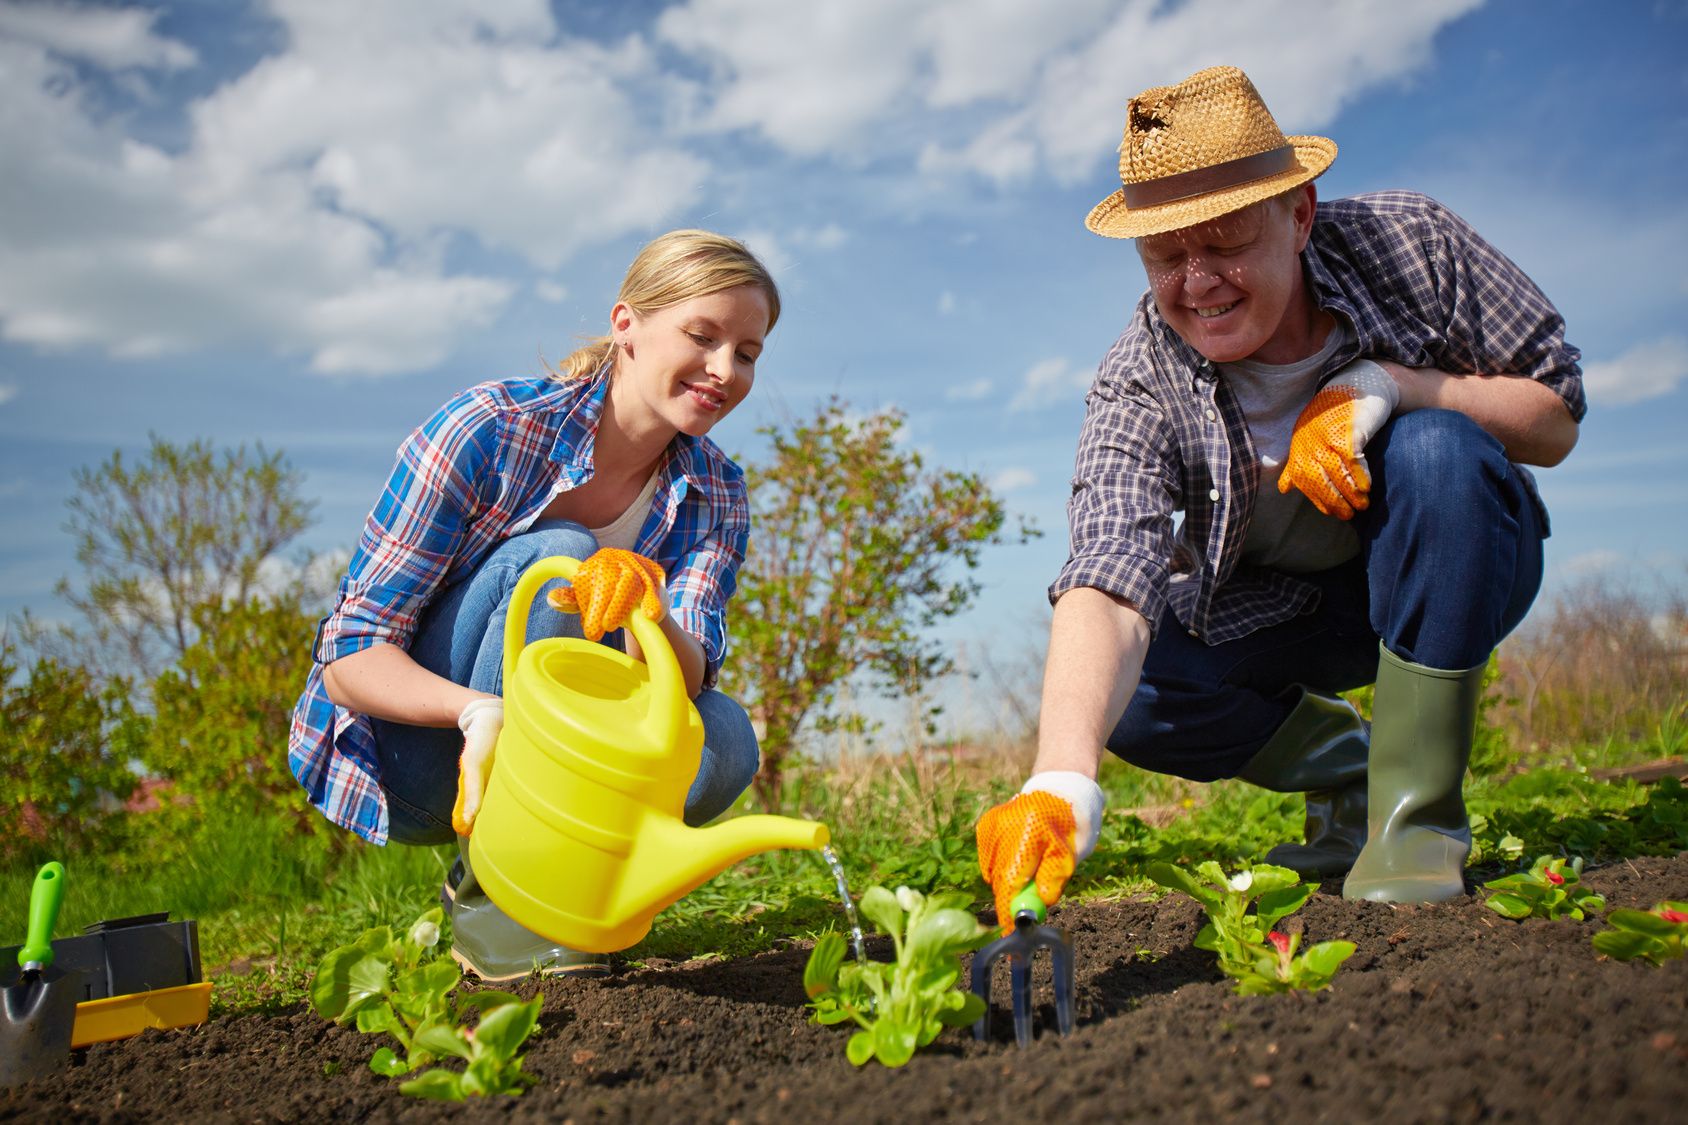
[44, 900]
[1028, 899]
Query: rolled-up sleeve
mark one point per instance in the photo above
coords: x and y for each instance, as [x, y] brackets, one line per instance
[706, 574]
[1497, 320]
[1124, 489]
[413, 533]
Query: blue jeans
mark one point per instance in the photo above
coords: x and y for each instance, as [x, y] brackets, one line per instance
[461, 637]
[1450, 561]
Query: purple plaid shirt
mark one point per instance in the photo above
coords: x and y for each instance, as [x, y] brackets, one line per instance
[1162, 432]
[480, 470]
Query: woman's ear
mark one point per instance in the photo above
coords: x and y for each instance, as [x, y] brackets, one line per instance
[621, 318]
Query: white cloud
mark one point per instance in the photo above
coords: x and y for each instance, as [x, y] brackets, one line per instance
[309, 211]
[1649, 370]
[1012, 479]
[110, 37]
[8, 391]
[1053, 81]
[829, 236]
[969, 392]
[1048, 383]
[946, 303]
[550, 292]
[1594, 563]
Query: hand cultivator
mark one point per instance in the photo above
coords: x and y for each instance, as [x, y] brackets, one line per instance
[1020, 947]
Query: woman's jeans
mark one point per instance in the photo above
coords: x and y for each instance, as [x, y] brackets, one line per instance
[1450, 560]
[461, 637]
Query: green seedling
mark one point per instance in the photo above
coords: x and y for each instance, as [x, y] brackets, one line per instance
[899, 1006]
[1250, 950]
[1655, 935]
[1551, 888]
[404, 988]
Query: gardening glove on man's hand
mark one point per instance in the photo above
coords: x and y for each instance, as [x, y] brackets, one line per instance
[1041, 835]
[605, 589]
[1327, 460]
[480, 723]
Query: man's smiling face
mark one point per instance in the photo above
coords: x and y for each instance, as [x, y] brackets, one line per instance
[1232, 287]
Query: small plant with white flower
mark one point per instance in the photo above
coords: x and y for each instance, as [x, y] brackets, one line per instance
[899, 1006]
[1250, 949]
[403, 987]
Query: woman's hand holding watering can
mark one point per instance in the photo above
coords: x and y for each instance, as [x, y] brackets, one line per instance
[605, 589]
[480, 721]
[1038, 836]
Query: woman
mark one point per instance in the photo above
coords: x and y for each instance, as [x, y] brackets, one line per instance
[606, 458]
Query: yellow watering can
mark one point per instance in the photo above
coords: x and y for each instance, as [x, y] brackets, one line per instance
[580, 836]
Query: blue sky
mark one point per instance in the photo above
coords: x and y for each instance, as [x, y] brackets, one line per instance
[307, 222]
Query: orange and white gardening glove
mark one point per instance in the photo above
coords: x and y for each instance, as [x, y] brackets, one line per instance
[606, 588]
[1038, 836]
[480, 722]
[1327, 459]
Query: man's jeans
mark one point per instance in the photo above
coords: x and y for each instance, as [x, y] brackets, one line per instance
[1450, 560]
[461, 637]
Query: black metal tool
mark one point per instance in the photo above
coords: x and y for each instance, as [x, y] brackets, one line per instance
[1029, 936]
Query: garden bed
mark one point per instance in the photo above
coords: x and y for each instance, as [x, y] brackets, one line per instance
[1445, 1013]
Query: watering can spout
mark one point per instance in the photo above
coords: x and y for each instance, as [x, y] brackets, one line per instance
[674, 859]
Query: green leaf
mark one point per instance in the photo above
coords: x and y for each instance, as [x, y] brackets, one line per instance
[1643, 922]
[972, 1007]
[443, 1039]
[1509, 905]
[1269, 878]
[944, 932]
[438, 1084]
[503, 1029]
[820, 975]
[880, 907]
[1327, 956]
[860, 1048]
[1281, 901]
[894, 1041]
[1176, 879]
[1625, 945]
[349, 978]
[381, 1018]
[388, 1065]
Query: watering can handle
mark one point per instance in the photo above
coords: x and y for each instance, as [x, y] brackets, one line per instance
[667, 684]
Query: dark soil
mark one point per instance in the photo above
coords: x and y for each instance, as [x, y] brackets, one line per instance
[1445, 1013]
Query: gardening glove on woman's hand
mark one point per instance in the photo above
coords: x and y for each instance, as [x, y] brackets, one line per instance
[1041, 835]
[1327, 459]
[605, 589]
[480, 723]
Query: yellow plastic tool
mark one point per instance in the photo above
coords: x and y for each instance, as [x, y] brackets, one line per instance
[118, 1017]
[580, 836]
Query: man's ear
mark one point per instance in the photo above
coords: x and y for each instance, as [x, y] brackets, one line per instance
[1306, 204]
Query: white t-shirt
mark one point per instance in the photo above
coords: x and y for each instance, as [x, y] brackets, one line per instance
[1286, 533]
[624, 531]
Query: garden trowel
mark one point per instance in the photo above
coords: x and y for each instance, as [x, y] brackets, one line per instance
[38, 1012]
[1029, 936]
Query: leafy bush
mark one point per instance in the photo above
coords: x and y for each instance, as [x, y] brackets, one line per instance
[1251, 951]
[403, 987]
[1655, 936]
[902, 1005]
[1549, 889]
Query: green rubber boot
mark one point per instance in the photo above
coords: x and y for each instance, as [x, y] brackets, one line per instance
[1320, 750]
[1423, 723]
[494, 946]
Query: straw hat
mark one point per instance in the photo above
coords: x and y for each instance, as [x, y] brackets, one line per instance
[1203, 148]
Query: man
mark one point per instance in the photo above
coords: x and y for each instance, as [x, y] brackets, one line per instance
[1337, 397]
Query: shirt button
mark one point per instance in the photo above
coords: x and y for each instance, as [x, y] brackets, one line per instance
[1213, 494]
[1195, 634]
[1211, 415]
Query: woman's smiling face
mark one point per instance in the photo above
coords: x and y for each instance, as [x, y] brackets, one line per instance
[1232, 287]
[691, 363]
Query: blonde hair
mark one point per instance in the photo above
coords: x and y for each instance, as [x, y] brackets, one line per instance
[676, 267]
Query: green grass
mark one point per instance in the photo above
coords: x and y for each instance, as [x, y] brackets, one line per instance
[270, 901]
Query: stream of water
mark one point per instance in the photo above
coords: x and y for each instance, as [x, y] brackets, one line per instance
[831, 858]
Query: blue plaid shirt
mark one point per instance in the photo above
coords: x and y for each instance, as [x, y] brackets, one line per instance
[481, 469]
[1162, 432]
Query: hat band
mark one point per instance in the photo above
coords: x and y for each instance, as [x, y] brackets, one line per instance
[1216, 177]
